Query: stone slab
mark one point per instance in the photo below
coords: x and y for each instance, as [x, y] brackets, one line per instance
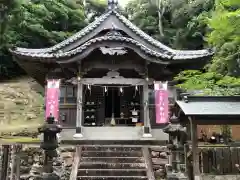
[218, 177]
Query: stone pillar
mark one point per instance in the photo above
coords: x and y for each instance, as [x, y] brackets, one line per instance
[49, 145]
[178, 136]
[79, 110]
[146, 130]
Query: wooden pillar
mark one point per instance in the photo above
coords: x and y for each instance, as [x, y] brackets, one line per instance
[79, 108]
[195, 155]
[146, 130]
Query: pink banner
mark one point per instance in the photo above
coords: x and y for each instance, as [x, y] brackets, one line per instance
[161, 103]
[52, 96]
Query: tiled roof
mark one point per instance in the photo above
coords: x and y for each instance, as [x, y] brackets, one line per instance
[164, 51]
[211, 106]
[89, 43]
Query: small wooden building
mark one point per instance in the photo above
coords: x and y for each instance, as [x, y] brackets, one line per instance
[107, 71]
[205, 110]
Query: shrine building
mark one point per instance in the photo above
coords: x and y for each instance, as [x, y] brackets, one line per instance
[108, 71]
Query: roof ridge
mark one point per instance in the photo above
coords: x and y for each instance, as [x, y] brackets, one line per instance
[192, 98]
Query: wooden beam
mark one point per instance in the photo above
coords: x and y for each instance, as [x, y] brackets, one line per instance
[195, 155]
[122, 81]
[146, 108]
[79, 104]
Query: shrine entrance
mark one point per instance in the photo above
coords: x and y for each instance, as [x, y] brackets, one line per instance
[112, 102]
[112, 105]
[122, 105]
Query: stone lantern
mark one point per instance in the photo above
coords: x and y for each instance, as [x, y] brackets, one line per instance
[177, 139]
[49, 145]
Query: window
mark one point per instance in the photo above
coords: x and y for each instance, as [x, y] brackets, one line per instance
[70, 92]
[62, 91]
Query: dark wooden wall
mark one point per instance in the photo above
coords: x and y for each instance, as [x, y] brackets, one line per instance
[68, 105]
[68, 115]
[219, 160]
[96, 95]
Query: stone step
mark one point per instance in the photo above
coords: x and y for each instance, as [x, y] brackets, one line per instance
[112, 172]
[112, 178]
[94, 165]
[110, 148]
[111, 154]
[113, 159]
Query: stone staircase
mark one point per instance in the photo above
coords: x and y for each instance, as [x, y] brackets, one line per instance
[112, 163]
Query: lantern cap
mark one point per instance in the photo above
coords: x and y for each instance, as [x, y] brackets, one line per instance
[112, 4]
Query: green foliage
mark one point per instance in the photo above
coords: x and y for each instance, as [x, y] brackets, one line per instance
[209, 83]
[37, 24]
[95, 8]
[181, 26]
[225, 37]
[222, 76]
[44, 23]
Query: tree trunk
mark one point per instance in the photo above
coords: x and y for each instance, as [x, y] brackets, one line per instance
[13, 159]
[160, 25]
[5, 162]
[15, 165]
[161, 9]
[18, 162]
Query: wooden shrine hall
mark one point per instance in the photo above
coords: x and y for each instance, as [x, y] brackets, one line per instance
[107, 73]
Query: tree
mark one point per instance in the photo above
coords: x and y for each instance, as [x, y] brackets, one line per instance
[178, 21]
[6, 9]
[222, 74]
[94, 8]
[225, 37]
[37, 24]
[161, 6]
[208, 83]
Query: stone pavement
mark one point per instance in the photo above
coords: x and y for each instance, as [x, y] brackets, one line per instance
[114, 133]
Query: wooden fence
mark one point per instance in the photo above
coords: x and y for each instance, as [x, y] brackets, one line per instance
[219, 160]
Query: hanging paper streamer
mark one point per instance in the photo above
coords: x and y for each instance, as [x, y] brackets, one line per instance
[52, 96]
[161, 103]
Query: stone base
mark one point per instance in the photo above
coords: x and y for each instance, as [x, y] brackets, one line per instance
[217, 177]
[147, 135]
[176, 176]
[77, 136]
[50, 176]
[58, 137]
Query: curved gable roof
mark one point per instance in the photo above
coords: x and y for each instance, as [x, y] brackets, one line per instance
[111, 14]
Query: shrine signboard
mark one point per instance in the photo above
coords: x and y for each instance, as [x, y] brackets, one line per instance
[52, 93]
[161, 103]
